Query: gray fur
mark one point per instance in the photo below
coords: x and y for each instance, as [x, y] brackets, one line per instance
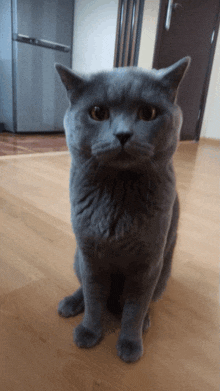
[124, 209]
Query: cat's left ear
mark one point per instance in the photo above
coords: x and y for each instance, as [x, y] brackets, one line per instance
[172, 76]
[74, 84]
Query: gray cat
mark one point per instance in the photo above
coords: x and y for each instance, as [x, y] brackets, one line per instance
[122, 129]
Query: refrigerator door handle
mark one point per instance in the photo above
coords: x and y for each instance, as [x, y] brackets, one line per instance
[40, 42]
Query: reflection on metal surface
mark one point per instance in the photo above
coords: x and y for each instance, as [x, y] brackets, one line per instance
[40, 42]
[169, 14]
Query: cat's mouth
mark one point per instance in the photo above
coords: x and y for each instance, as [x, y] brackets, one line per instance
[125, 160]
[123, 157]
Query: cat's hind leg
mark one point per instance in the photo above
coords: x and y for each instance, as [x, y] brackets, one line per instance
[72, 305]
[165, 274]
[146, 323]
[168, 254]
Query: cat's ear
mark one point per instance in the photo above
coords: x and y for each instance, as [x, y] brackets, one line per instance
[71, 81]
[173, 75]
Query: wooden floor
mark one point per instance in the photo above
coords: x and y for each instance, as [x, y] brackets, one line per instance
[17, 144]
[37, 247]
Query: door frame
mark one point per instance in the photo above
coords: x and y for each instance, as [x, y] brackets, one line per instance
[128, 32]
[160, 28]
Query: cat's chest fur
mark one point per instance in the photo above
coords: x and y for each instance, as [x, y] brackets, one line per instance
[117, 211]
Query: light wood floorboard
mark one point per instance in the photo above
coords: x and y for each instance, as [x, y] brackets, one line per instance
[37, 247]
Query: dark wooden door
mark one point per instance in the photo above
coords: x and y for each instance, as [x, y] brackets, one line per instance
[189, 27]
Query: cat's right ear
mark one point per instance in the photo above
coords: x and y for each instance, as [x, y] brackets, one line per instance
[73, 83]
[172, 76]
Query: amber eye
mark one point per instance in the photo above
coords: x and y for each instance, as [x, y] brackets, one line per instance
[99, 113]
[147, 113]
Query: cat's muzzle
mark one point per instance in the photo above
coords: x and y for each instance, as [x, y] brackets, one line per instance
[128, 156]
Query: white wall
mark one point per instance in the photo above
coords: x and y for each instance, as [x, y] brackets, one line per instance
[94, 44]
[148, 33]
[94, 34]
[211, 119]
[95, 30]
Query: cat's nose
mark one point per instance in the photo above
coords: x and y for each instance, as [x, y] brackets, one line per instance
[123, 137]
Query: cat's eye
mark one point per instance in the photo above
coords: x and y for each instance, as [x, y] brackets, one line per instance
[147, 113]
[99, 113]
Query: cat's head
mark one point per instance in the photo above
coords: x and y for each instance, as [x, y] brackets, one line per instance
[123, 117]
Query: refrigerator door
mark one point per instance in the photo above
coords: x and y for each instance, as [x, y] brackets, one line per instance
[40, 99]
[42, 35]
[51, 20]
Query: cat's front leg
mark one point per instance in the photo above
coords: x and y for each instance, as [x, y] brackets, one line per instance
[89, 331]
[130, 344]
[72, 305]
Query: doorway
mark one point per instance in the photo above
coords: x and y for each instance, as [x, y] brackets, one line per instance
[189, 28]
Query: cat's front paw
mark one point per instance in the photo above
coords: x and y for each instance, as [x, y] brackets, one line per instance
[86, 338]
[71, 305]
[129, 350]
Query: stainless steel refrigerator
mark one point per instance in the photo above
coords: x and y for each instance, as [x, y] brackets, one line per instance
[42, 34]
